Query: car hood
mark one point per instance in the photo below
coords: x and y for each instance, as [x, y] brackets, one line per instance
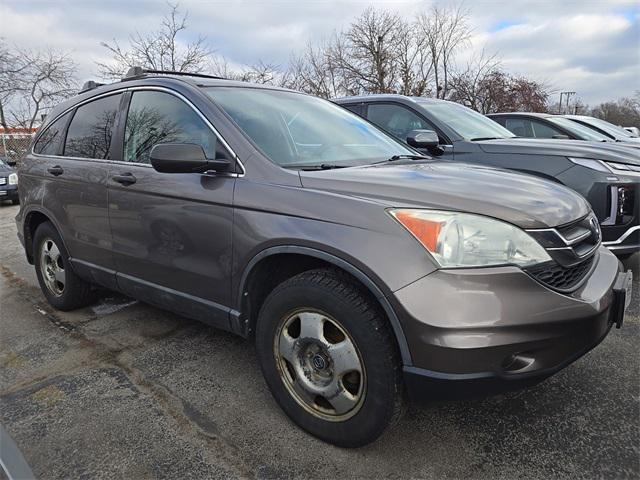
[524, 200]
[613, 152]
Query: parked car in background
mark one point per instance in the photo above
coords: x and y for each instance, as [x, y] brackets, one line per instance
[8, 183]
[607, 174]
[362, 270]
[612, 131]
[546, 125]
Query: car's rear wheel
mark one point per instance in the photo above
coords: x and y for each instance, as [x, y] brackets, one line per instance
[62, 288]
[329, 358]
[16, 201]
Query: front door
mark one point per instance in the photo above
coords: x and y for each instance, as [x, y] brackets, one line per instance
[399, 121]
[171, 231]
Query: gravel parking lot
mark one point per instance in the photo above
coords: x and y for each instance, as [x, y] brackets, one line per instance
[123, 390]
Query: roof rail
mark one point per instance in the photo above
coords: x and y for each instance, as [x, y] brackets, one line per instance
[90, 85]
[139, 72]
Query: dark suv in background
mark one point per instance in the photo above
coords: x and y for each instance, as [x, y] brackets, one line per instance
[362, 270]
[8, 183]
[606, 174]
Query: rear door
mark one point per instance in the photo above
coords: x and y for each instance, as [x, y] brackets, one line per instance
[73, 158]
[171, 231]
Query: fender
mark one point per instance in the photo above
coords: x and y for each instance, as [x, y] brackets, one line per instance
[343, 264]
[23, 225]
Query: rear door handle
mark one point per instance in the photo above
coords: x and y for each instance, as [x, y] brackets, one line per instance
[57, 170]
[124, 179]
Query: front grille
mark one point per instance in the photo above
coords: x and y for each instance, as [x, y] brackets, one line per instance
[558, 277]
[572, 248]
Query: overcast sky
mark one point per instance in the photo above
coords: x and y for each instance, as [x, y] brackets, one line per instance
[592, 48]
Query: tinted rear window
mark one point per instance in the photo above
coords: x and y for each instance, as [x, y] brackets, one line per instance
[91, 129]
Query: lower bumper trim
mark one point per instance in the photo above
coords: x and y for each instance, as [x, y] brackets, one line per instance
[425, 385]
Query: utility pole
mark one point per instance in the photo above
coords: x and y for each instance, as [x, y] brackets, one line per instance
[567, 95]
[560, 104]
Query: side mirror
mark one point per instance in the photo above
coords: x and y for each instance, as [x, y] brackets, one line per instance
[423, 139]
[184, 158]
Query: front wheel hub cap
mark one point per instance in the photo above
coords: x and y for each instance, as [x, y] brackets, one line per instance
[320, 365]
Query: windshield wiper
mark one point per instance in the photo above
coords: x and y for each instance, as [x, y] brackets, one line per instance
[320, 166]
[487, 138]
[404, 157]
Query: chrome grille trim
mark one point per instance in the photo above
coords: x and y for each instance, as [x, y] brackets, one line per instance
[570, 244]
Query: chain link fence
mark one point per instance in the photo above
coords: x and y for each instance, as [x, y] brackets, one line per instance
[13, 146]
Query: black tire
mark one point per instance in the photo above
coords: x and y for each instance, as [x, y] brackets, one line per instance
[625, 256]
[16, 201]
[76, 293]
[336, 294]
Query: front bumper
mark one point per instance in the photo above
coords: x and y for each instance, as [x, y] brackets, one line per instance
[480, 331]
[627, 242]
[8, 192]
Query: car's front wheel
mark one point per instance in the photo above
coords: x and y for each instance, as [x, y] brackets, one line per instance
[61, 286]
[329, 358]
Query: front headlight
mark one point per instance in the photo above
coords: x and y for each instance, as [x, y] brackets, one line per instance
[13, 179]
[466, 240]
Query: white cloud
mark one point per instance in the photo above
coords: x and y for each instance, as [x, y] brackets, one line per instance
[590, 47]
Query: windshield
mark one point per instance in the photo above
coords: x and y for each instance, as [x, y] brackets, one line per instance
[298, 130]
[610, 128]
[468, 123]
[585, 133]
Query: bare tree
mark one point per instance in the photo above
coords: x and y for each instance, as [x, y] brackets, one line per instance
[158, 50]
[485, 87]
[32, 82]
[378, 53]
[368, 51]
[444, 32]
[11, 66]
[624, 111]
[316, 71]
[476, 86]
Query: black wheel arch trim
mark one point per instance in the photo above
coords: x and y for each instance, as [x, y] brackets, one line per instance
[340, 263]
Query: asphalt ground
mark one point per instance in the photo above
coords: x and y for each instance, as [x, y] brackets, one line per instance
[124, 390]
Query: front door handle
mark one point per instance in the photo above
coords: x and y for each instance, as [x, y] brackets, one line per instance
[55, 171]
[124, 179]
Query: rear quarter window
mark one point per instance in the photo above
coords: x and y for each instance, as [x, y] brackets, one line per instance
[50, 140]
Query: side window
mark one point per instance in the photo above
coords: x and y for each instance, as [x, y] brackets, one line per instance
[159, 117]
[355, 108]
[519, 127]
[544, 131]
[396, 120]
[49, 142]
[91, 129]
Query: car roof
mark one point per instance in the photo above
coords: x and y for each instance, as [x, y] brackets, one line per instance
[389, 97]
[156, 79]
[524, 114]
